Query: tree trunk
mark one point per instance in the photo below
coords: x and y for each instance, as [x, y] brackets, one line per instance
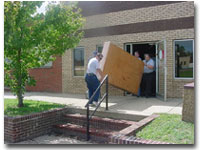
[20, 99]
[19, 81]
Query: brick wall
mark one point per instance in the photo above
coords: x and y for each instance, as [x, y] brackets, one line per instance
[27, 127]
[188, 111]
[122, 139]
[48, 79]
[72, 84]
[161, 12]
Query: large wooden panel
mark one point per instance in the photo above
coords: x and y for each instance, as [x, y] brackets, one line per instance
[124, 70]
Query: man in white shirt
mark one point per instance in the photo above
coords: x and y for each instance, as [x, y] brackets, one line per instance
[147, 76]
[91, 77]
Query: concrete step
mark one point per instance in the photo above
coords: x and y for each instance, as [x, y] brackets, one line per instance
[108, 114]
[69, 129]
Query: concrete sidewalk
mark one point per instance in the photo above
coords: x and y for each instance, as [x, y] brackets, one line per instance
[54, 139]
[119, 104]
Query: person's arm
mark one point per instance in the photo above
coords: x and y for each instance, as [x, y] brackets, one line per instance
[151, 66]
[100, 73]
[98, 70]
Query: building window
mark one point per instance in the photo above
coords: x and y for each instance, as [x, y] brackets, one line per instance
[184, 64]
[99, 48]
[47, 65]
[128, 48]
[79, 61]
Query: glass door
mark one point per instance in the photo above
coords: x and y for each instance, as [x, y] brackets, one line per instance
[129, 48]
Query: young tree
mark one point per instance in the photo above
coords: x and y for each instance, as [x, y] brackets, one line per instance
[32, 40]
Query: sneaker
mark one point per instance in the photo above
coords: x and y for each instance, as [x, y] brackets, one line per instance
[92, 105]
[95, 103]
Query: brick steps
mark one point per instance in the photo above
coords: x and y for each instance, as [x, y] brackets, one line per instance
[82, 129]
[104, 130]
[78, 131]
[98, 122]
[100, 128]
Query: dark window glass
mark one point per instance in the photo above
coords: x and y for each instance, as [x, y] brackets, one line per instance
[79, 61]
[99, 48]
[184, 59]
[128, 48]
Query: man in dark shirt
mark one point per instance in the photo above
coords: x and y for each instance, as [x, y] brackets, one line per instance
[147, 76]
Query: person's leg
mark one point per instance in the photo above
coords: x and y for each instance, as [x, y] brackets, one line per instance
[142, 86]
[148, 85]
[151, 84]
[96, 85]
[88, 80]
[139, 92]
[90, 94]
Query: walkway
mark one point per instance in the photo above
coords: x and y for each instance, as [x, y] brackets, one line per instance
[120, 104]
[54, 139]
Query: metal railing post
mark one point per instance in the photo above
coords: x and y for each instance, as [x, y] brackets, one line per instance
[88, 124]
[107, 93]
[90, 99]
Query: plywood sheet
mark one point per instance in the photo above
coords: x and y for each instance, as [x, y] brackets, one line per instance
[124, 70]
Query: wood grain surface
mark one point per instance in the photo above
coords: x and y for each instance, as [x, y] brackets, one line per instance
[124, 70]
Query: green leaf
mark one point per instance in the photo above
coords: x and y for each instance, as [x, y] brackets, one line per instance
[32, 40]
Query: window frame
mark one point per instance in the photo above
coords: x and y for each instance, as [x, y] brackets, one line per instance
[174, 60]
[73, 65]
[131, 48]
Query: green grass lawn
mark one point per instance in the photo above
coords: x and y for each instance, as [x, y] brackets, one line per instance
[186, 73]
[169, 128]
[30, 106]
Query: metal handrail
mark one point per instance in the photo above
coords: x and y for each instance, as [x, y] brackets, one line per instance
[89, 117]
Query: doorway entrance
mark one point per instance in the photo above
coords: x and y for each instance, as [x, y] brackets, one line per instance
[144, 48]
[157, 51]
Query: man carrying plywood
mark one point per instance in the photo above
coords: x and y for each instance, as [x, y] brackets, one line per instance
[91, 77]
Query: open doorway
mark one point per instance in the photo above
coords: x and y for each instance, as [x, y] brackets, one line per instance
[144, 48]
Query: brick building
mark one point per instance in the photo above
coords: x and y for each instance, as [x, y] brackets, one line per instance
[165, 29]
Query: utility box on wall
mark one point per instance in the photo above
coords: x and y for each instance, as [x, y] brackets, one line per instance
[124, 70]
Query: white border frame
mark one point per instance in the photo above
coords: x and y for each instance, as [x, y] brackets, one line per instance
[174, 61]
